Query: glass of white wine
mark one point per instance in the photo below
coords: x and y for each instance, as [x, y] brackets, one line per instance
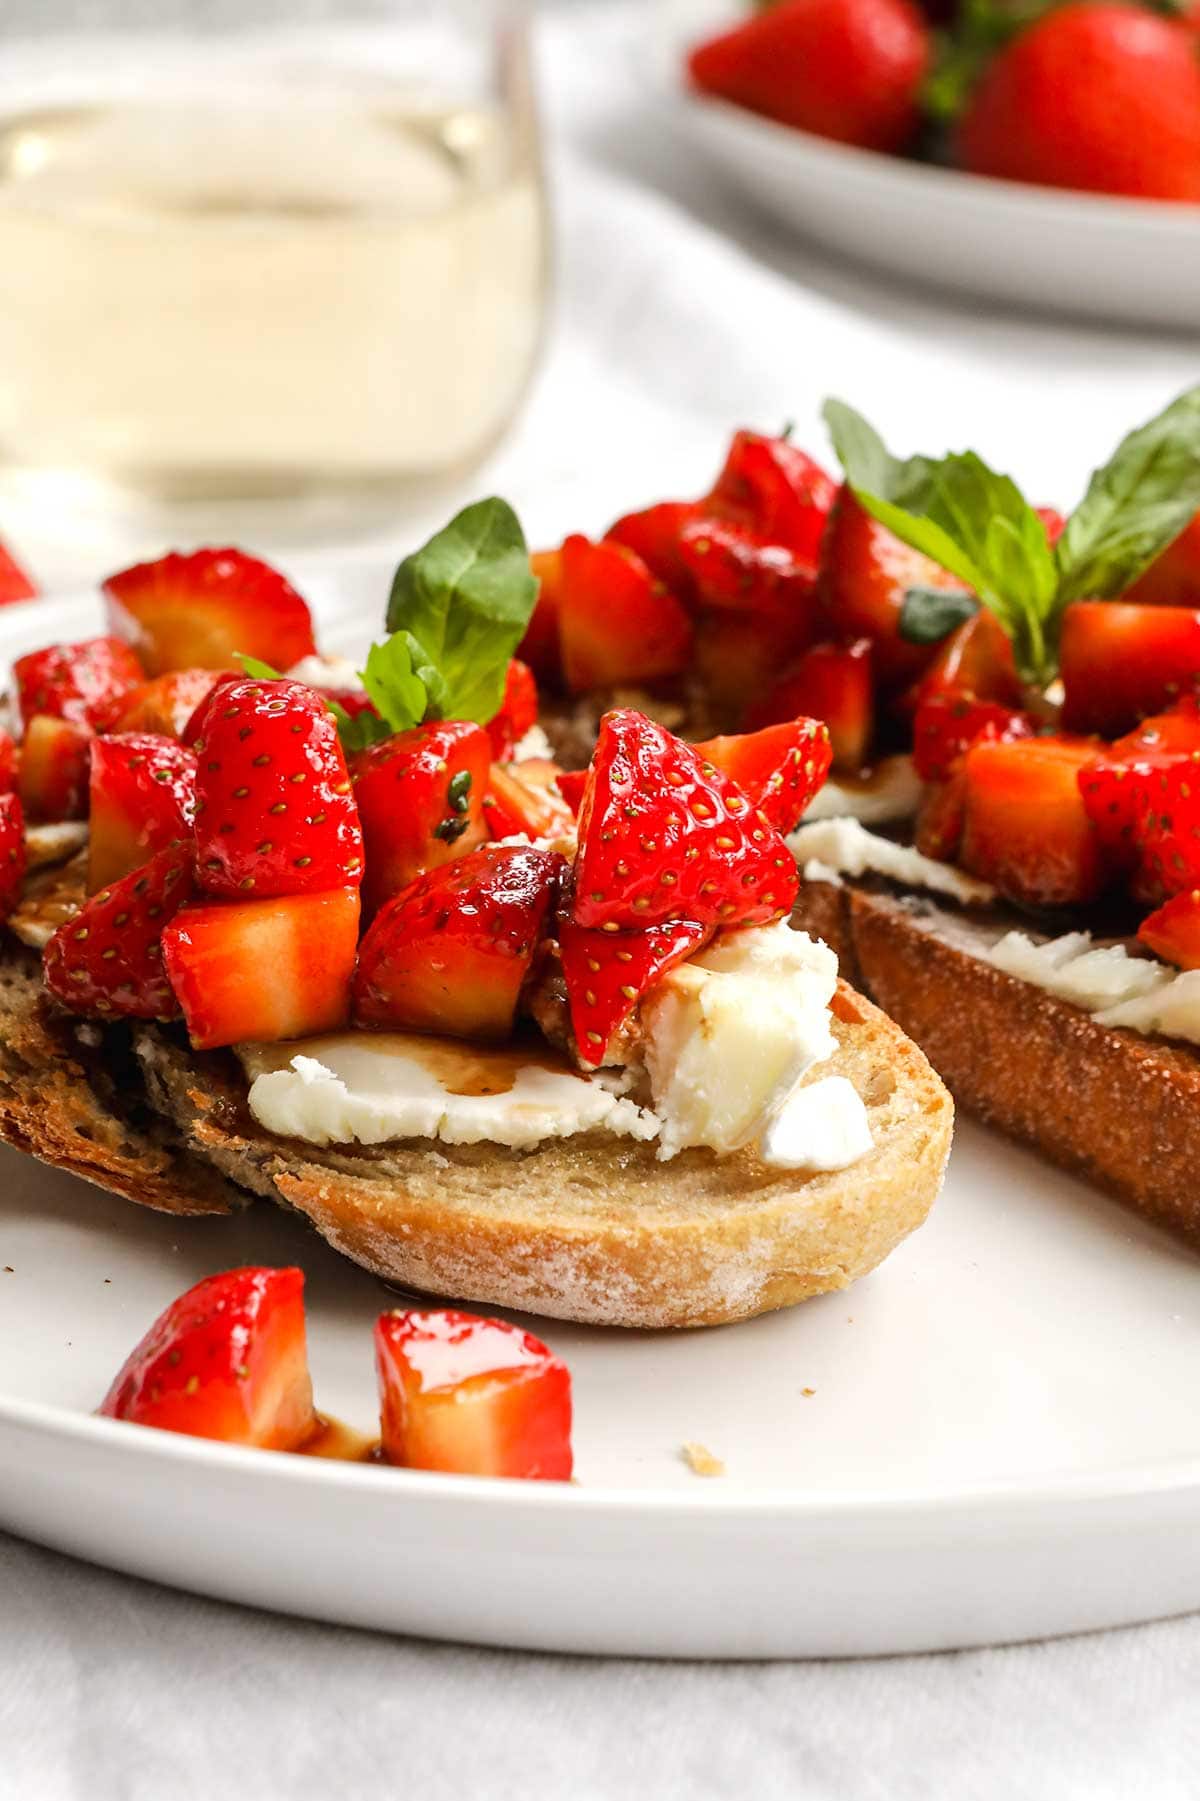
[256, 248]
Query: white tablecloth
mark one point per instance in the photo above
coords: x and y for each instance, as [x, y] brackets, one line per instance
[679, 315]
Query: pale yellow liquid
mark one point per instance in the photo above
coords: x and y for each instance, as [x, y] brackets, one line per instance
[200, 299]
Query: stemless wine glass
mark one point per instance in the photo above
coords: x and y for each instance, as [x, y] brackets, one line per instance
[262, 247]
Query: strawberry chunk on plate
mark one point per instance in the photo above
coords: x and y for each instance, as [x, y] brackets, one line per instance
[616, 622]
[15, 584]
[451, 952]
[88, 683]
[205, 609]
[1121, 662]
[262, 970]
[525, 797]
[833, 683]
[12, 852]
[167, 702]
[471, 1397]
[420, 802]
[108, 959]
[142, 795]
[275, 813]
[1025, 827]
[653, 535]
[1173, 931]
[866, 573]
[53, 775]
[518, 710]
[607, 973]
[539, 648]
[9, 762]
[227, 1360]
[946, 724]
[775, 490]
[778, 769]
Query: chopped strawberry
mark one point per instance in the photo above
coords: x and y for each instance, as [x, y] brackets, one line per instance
[976, 659]
[1178, 729]
[108, 959]
[572, 785]
[1173, 578]
[730, 567]
[665, 835]
[1166, 829]
[607, 973]
[205, 609]
[524, 797]
[947, 723]
[941, 817]
[53, 776]
[167, 703]
[1115, 787]
[653, 535]
[275, 812]
[262, 970]
[739, 655]
[830, 682]
[776, 491]
[1173, 932]
[87, 683]
[865, 574]
[420, 800]
[14, 583]
[227, 1360]
[1121, 662]
[142, 797]
[518, 710]
[1026, 828]
[616, 622]
[540, 647]
[451, 952]
[8, 762]
[12, 852]
[778, 769]
[471, 1396]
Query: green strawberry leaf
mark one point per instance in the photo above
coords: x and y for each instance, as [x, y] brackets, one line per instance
[931, 614]
[1136, 503]
[464, 601]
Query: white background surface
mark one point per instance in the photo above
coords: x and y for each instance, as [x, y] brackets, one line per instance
[667, 335]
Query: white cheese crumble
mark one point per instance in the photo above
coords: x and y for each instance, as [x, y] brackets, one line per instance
[327, 673]
[534, 744]
[891, 793]
[847, 847]
[822, 1126]
[1138, 993]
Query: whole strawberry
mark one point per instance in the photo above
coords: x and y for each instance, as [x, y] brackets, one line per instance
[274, 809]
[1096, 96]
[843, 69]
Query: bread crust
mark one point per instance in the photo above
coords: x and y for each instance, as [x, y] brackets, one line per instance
[1120, 1108]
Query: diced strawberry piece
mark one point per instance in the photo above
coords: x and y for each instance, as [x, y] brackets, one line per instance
[653, 535]
[8, 762]
[524, 799]
[540, 646]
[976, 659]
[1173, 932]
[1178, 730]
[947, 723]
[730, 567]
[776, 491]
[12, 852]
[142, 798]
[1166, 829]
[420, 800]
[665, 835]
[616, 622]
[607, 973]
[108, 959]
[778, 769]
[53, 776]
[275, 812]
[166, 704]
[206, 609]
[472, 1397]
[941, 818]
[572, 785]
[262, 970]
[1115, 788]
[1173, 578]
[15, 584]
[518, 710]
[1120, 662]
[866, 573]
[87, 683]
[227, 1360]
[451, 952]
[833, 683]
[738, 657]
[1026, 828]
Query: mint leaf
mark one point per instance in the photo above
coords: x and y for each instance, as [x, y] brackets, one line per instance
[397, 692]
[463, 602]
[931, 614]
[257, 670]
[1136, 503]
[358, 731]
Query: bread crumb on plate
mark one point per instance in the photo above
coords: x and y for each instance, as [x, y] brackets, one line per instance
[701, 1461]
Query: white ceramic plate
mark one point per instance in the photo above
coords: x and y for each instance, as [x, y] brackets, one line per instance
[1131, 260]
[996, 1436]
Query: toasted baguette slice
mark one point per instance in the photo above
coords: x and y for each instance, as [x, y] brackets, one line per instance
[1121, 1108]
[592, 1228]
[74, 1097]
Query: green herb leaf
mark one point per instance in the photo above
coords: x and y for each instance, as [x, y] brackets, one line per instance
[358, 731]
[394, 687]
[931, 614]
[257, 670]
[1134, 506]
[464, 601]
